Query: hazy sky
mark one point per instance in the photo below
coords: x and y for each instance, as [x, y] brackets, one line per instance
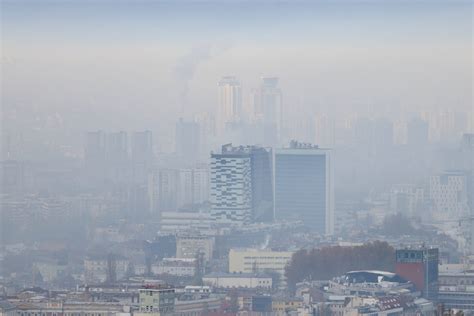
[126, 64]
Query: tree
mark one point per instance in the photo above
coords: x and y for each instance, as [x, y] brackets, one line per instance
[397, 225]
[328, 262]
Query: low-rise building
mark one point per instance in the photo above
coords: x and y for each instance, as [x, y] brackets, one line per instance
[197, 307]
[256, 260]
[456, 290]
[181, 267]
[190, 246]
[59, 308]
[174, 222]
[370, 283]
[156, 300]
[282, 306]
[238, 280]
[99, 268]
[7, 309]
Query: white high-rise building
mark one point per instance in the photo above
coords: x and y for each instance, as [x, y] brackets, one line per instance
[193, 186]
[230, 102]
[325, 131]
[185, 187]
[471, 119]
[231, 188]
[168, 190]
[178, 188]
[449, 194]
[200, 185]
[407, 199]
[267, 109]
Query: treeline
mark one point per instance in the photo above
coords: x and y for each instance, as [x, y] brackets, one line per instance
[328, 262]
[398, 225]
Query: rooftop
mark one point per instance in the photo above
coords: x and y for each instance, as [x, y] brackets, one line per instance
[236, 275]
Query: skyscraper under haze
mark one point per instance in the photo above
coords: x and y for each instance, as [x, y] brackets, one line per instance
[117, 156]
[117, 148]
[242, 173]
[304, 189]
[142, 155]
[261, 161]
[231, 187]
[95, 157]
[142, 147]
[229, 103]
[268, 109]
[95, 149]
[187, 140]
[417, 132]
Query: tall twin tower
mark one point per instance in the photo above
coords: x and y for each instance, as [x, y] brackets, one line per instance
[266, 183]
[264, 108]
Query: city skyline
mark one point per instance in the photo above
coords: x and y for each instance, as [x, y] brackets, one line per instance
[234, 158]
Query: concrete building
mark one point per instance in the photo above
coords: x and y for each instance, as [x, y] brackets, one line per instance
[193, 186]
[261, 164]
[7, 309]
[449, 194]
[407, 199]
[370, 283]
[253, 187]
[71, 308]
[189, 246]
[304, 188]
[256, 260]
[117, 156]
[238, 280]
[99, 269]
[117, 147]
[181, 267]
[325, 130]
[417, 132]
[167, 188]
[142, 147]
[13, 176]
[267, 110]
[229, 102]
[198, 306]
[156, 301]
[142, 155]
[231, 188]
[175, 222]
[420, 266]
[181, 188]
[95, 156]
[187, 141]
[456, 289]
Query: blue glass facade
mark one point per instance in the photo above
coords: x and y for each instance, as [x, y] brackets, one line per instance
[301, 187]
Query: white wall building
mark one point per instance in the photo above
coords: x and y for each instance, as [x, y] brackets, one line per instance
[96, 269]
[256, 260]
[190, 246]
[182, 267]
[407, 199]
[231, 188]
[175, 222]
[238, 280]
[449, 194]
[229, 102]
